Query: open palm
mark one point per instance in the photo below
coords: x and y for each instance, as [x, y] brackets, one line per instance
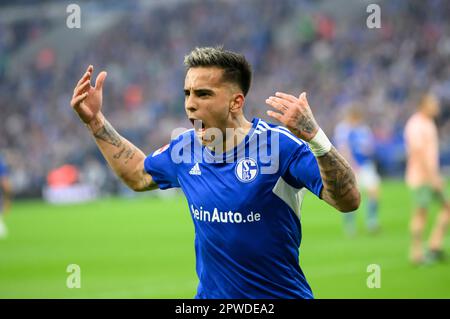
[87, 100]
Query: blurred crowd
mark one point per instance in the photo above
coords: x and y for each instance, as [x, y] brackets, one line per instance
[293, 47]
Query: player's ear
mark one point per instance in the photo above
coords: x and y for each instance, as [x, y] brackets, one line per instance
[237, 102]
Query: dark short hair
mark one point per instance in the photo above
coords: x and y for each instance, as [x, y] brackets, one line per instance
[425, 97]
[236, 68]
[355, 111]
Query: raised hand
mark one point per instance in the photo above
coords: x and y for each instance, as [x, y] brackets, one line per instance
[87, 100]
[294, 113]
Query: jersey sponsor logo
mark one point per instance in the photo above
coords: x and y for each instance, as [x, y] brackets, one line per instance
[227, 216]
[246, 170]
[195, 170]
[160, 150]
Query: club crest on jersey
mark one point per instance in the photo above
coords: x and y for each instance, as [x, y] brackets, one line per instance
[160, 150]
[246, 170]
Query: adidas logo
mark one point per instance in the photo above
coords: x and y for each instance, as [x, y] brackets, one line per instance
[195, 170]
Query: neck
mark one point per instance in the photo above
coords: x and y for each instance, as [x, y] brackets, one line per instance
[235, 132]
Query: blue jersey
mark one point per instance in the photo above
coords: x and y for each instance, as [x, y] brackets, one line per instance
[359, 140]
[3, 170]
[245, 205]
[3, 173]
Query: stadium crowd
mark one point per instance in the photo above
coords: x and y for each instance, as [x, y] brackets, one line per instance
[292, 46]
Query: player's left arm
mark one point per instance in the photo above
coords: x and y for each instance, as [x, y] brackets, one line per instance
[339, 184]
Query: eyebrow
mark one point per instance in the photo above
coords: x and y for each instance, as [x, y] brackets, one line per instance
[200, 90]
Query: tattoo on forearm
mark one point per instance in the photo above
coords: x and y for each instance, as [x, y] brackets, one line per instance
[118, 155]
[337, 175]
[128, 153]
[122, 153]
[108, 134]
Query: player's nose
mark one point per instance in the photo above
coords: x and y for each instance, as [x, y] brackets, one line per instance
[190, 105]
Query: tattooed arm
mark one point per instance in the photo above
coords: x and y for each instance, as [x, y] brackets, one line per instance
[339, 183]
[126, 160]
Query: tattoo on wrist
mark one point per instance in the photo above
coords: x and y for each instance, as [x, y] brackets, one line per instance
[306, 124]
[108, 134]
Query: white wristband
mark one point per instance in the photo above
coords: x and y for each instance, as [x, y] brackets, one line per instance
[320, 144]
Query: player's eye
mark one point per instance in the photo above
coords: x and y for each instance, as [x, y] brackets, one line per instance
[186, 93]
[203, 94]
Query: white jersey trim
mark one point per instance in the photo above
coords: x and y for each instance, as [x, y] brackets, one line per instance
[281, 130]
[292, 196]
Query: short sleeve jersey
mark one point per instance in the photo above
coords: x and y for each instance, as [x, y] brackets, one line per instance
[245, 205]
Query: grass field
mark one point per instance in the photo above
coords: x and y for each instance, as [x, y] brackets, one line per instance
[143, 248]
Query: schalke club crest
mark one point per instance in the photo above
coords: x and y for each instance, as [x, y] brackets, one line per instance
[246, 170]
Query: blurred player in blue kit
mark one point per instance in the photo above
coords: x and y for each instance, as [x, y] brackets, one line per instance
[5, 201]
[246, 219]
[354, 140]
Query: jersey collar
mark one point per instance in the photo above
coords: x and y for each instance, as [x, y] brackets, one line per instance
[231, 155]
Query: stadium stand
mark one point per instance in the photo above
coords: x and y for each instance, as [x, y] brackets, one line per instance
[293, 45]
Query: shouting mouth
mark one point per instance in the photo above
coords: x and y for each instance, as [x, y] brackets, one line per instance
[199, 126]
[201, 130]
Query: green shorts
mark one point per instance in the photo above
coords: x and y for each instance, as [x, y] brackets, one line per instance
[423, 196]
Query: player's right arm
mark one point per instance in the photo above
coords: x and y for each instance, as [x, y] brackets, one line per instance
[339, 183]
[125, 159]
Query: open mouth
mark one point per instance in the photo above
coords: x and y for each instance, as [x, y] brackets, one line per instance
[198, 125]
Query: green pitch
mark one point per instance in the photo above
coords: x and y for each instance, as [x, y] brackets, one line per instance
[143, 248]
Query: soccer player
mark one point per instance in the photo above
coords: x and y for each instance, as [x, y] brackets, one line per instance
[5, 191]
[355, 141]
[423, 177]
[246, 213]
